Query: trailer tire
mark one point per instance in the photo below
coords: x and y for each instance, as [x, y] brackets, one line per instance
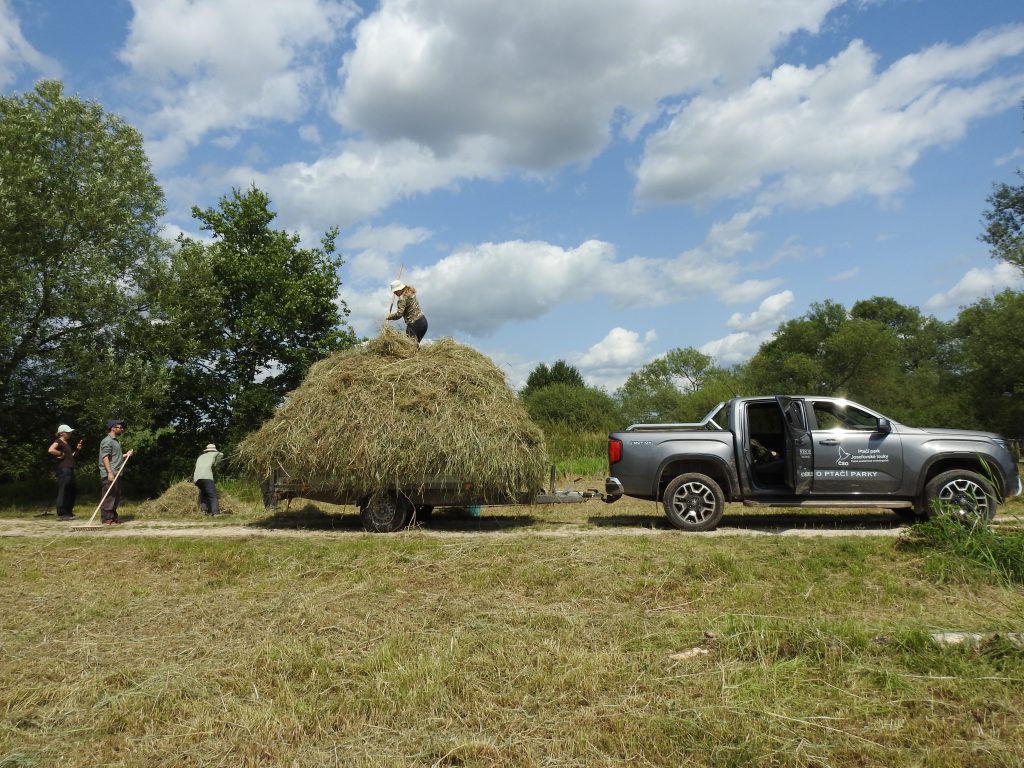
[385, 513]
[694, 502]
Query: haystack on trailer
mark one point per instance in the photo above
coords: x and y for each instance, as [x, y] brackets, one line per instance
[392, 510]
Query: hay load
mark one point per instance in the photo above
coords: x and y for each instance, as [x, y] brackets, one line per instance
[392, 415]
[182, 499]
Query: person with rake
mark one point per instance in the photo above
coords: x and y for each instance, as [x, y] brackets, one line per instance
[112, 459]
[409, 310]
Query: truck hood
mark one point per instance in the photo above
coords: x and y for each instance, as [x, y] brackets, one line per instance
[961, 433]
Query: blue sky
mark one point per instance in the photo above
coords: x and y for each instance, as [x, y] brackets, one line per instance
[597, 181]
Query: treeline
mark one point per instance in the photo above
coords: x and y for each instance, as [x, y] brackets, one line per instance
[191, 341]
[921, 371]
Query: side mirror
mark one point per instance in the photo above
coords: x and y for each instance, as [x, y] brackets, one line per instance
[884, 426]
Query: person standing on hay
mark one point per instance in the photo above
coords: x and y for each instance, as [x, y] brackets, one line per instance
[65, 456]
[209, 499]
[409, 310]
[112, 459]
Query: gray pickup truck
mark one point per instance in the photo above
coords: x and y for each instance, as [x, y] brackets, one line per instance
[807, 451]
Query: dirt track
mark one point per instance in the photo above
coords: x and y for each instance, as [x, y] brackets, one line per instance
[50, 528]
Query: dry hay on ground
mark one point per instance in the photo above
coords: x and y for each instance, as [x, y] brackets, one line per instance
[182, 498]
[389, 414]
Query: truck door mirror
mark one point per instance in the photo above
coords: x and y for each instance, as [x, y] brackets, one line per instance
[884, 426]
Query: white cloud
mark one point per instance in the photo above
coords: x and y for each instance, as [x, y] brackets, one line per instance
[767, 316]
[541, 84]
[374, 249]
[976, 284]
[824, 135]
[736, 347]
[16, 53]
[610, 361]
[210, 65]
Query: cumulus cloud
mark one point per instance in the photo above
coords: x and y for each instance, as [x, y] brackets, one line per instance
[823, 135]
[736, 347]
[768, 315]
[16, 53]
[610, 361]
[977, 284]
[207, 66]
[541, 84]
[375, 248]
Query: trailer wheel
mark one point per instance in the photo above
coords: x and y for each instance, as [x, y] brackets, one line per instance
[385, 513]
[694, 502]
[962, 494]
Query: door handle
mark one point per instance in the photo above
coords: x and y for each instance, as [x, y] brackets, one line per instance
[830, 441]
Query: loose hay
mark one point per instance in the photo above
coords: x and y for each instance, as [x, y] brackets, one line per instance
[183, 499]
[392, 415]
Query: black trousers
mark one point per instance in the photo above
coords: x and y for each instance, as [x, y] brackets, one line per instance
[67, 490]
[417, 329]
[108, 510]
[209, 500]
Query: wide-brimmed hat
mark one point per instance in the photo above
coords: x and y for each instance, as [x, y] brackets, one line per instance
[397, 285]
[65, 428]
[210, 447]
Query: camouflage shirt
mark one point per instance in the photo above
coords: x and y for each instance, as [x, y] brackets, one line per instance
[408, 309]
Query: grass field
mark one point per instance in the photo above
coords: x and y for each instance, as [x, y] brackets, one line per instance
[575, 635]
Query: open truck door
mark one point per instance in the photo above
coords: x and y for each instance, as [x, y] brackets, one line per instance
[799, 446]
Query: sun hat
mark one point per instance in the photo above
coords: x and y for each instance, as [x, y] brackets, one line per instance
[64, 428]
[397, 285]
[210, 447]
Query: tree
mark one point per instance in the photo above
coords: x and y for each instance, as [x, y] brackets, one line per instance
[246, 315]
[578, 408]
[1005, 217]
[993, 361]
[671, 388]
[79, 210]
[559, 373]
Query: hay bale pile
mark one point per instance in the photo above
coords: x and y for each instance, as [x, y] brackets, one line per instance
[182, 498]
[392, 415]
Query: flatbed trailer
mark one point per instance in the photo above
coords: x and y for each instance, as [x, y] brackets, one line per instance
[395, 509]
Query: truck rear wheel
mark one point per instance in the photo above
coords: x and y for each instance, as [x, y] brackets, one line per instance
[694, 502]
[385, 513]
[962, 494]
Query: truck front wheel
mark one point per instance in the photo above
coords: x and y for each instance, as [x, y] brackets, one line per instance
[694, 502]
[385, 513]
[961, 493]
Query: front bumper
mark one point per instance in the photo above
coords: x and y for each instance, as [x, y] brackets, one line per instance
[612, 490]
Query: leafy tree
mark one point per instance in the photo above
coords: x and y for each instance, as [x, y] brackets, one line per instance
[672, 388]
[79, 210]
[993, 359]
[1005, 217]
[559, 373]
[580, 408]
[246, 315]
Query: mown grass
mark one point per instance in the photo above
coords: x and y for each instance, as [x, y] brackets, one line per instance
[511, 649]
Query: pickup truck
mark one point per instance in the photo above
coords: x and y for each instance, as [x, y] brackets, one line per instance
[808, 451]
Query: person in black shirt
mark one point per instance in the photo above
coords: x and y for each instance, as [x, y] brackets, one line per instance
[62, 451]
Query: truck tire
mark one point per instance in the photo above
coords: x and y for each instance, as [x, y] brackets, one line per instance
[385, 513]
[694, 502]
[962, 494]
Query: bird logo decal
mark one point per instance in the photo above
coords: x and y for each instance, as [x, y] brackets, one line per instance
[844, 458]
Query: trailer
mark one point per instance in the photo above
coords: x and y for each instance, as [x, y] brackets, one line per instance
[397, 508]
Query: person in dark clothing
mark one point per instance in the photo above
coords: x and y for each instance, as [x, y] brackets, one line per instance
[65, 455]
[409, 310]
